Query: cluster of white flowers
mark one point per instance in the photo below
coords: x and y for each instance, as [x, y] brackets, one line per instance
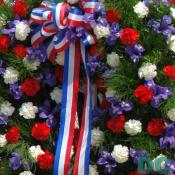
[60, 59]
[56, 95]
[22, 31]
[141, 9]
[120, 153]
[93, 170]
[28, 110]
[11, 75]
[110, 93]
[171, 42]
[7, 108]
[171, 114]
[3, 140]
[72, 1]
[31, 65]
[97, 137]
[113, 59]
[133, 127]
[148, 71]
[3, 21]
[101, 31]
[26, 173]
[35, 151]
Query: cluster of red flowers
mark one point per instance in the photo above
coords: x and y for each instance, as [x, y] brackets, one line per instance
[41, 131]
[30, 87]
[143, 94]
[169, 71]
[116, 124]
[20, 8]
[129, 36]
[13, 135]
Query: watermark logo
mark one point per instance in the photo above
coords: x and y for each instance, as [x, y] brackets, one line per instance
[146, 165]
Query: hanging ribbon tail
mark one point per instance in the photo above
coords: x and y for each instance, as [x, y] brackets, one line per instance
[69, 109]
[82, 157]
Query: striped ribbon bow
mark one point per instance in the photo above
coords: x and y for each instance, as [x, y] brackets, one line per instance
[53, 22]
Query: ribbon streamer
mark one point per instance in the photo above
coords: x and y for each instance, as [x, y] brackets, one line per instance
[54, 21]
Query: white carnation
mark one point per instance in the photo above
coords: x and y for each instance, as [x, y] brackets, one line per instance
[120, 153]
[31, 65]
[171, 114]
[7, 108]
[35, 151]
[141, 9]
[101, 31]
[172, 10]
[133, 127]
[110, 93]
[72, 1]
[56, 95]
[113, 59]
[93, 170]
[26, 173]
[3, 140]
[171, 42]
[28, 110]
[148, 71]
[22, 31]
[11, 75]
[97, 137]
[60, 59]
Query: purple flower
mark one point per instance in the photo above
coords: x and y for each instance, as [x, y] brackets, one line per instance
[16, 91]
[15, 160]
[170, 165]
[2, 69]
[108, 74]
[167, 142]
[164, 27]
[114, 34]
[159, 93]
[169, 137]
[107, 161]
[97, 114]
[37, 53]
[120, 108]
[135, 52]
[95, 65]
[135, 155]
[3, 118]
[48, 77]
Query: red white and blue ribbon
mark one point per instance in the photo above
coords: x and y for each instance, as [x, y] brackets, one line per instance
[53, 22]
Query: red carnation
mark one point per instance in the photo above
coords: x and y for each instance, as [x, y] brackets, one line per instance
[94, 50]
[172, 1]
[129, 36]
[100, 84]
[135, 173]
[1, 2]
[113, 15]
[156, 127]
[105, 104]
[30, 87]
[4, 43]
[13, 135]
[20, 51]
[169, 71]
[45, 161]
[59, 73]
[116, 124]
[41, 131]
[144, 94]
[20, 8]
